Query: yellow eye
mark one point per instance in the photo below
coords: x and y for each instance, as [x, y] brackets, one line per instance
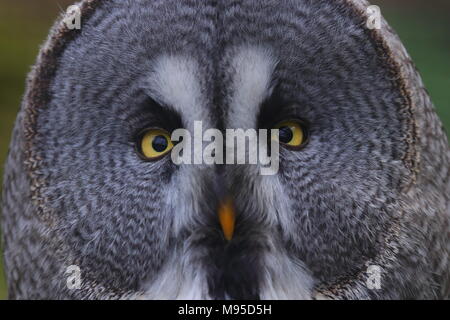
[155, 143]
[292, 133]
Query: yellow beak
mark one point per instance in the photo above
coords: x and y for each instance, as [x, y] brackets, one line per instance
[227, 217]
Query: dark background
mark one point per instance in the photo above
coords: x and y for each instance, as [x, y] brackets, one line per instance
[424, 27]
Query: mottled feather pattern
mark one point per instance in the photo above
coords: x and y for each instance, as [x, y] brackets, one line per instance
[371, 188]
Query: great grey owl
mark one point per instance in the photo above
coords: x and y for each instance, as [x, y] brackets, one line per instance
[89, 181]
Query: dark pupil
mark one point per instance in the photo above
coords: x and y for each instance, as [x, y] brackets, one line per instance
[286, 134]
[160, 143]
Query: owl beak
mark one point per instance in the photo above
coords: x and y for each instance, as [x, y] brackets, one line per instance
[227, 217]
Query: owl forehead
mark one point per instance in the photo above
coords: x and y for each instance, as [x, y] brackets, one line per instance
[175, 80]
[206, 58]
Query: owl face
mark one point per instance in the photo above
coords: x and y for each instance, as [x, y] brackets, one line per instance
[135, 222]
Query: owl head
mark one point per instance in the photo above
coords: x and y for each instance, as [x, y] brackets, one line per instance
[363, 175]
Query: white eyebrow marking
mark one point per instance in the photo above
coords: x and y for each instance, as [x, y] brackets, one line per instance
[253, 69]
[175, 81]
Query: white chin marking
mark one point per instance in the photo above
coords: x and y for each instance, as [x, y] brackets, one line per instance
[281, 279]
[177, 281]
[284, 279]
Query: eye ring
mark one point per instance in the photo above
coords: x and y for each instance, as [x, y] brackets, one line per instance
[148, 152]
[301, 124]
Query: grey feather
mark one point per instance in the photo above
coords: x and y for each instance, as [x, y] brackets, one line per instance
[372, 187]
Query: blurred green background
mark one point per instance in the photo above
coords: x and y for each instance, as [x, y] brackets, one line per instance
[424, 27]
